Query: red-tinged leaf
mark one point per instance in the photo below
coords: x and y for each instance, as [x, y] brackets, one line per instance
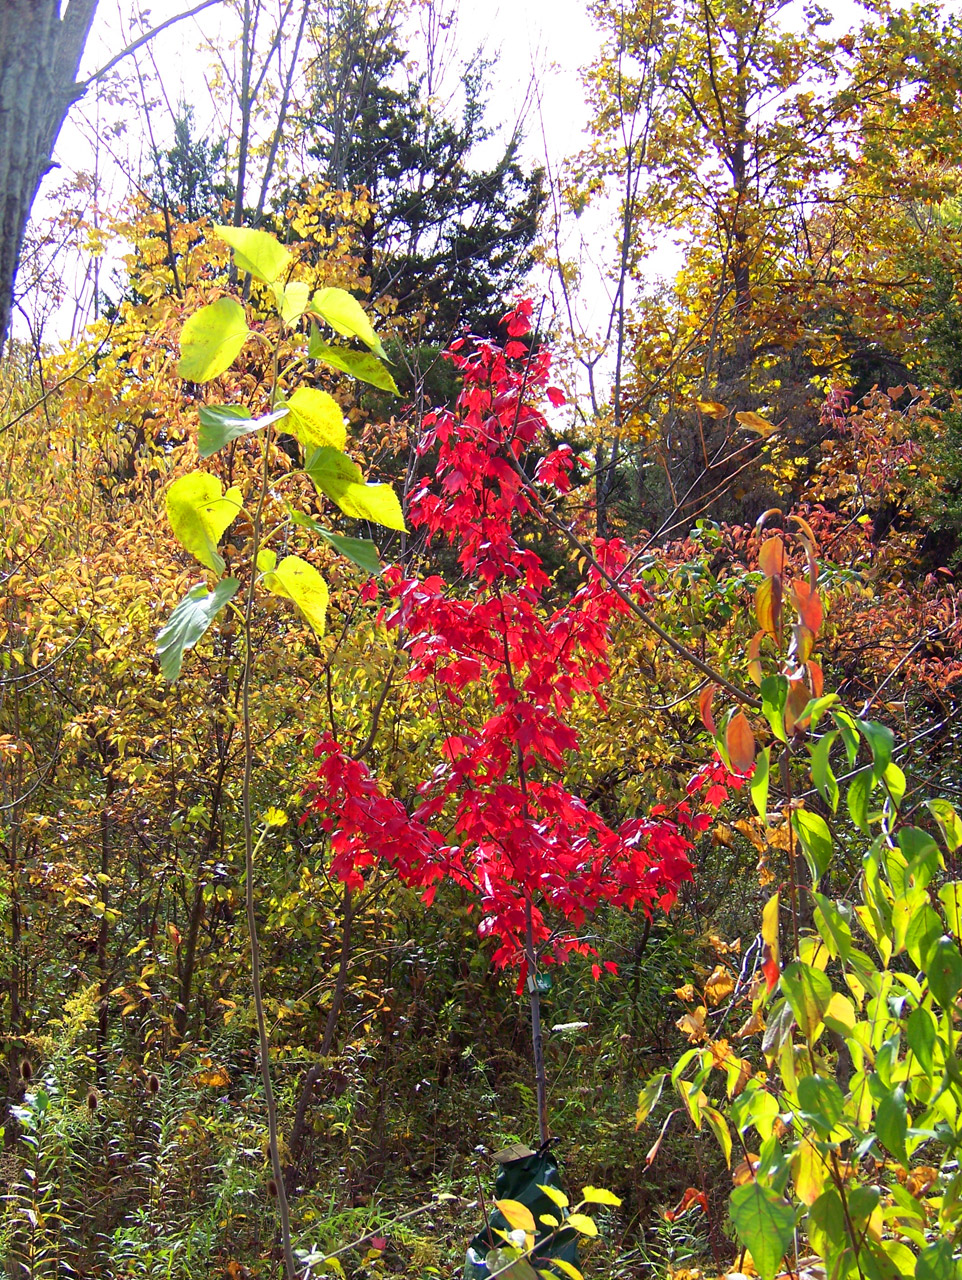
[740, 742]
[596, 971]
[611, 967]
[754, 650]
[770, 967]
[806, 600]
[771, 558]
[691, 1199]
[796, 702]
[656, 1145]
[768, 606]
[556, 396]
[817, 678]
[704, 707]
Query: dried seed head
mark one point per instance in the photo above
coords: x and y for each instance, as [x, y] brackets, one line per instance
[272, 1189]
[26, 1070]
[153, 1085]
[93, 1100]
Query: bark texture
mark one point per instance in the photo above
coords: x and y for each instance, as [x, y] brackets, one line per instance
[41, 44]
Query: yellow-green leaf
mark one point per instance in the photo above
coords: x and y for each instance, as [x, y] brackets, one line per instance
[359, 364]
[199, 513]
[316, 419]
[296, 580]
[581, 1222]
[211, 339]
[292, 300]
[335, 475]
[257, 252]
[517, 1215]
[346, 316]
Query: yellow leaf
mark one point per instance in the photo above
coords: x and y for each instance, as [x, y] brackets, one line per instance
[719, 985]
[598, 1195]
[711, 408]
[554, 1195]
[808, 1173]
[566, 1268]
[315, 419]
[581, 1222]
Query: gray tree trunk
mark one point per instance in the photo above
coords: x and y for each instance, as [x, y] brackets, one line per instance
[40, 52]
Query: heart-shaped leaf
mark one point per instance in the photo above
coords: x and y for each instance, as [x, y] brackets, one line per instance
[257, 252]
[211, 339]
[199, 513]
[316, 420]
[296, 580]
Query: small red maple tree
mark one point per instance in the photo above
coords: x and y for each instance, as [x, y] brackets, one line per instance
[495, 817]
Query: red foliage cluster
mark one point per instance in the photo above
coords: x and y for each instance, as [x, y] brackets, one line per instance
[495, 816]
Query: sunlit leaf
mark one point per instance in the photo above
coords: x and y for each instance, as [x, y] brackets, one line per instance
[599, 1195]
[346, 316]
[257, 252]
[517, 1215]
[359, 364]
[296, 580]
[316, 419]
[765, 1225]
[335, 475]
[211, 339]
[362, 551]
[200, 513]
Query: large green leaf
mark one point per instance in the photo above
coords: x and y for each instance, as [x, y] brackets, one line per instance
[257, 252]
[362, 551]
[188, 622]
[316, 419]
[938, 1262]
[765, 1223]
[335, 475]
[892, 1123]
[809, 992]
[211, 339]
[222, 423]
[821, 1102]
[943, 968]
[296, 580]
[346, 316]
[816, 840]
[199, 513]
[920, 1036]
[359, 364]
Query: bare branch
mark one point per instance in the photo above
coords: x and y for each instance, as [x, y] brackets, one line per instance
[84, 85]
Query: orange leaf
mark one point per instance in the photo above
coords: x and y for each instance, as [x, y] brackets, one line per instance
[744, 1171]
[755, 422]
[768, 605]
[816, 678]
[740, 742]
[806, 600]
[804, 641]
[691, 1198]
[754, 649]
[796, 702]
[771, 558]
[704, 706]
[711, 408]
